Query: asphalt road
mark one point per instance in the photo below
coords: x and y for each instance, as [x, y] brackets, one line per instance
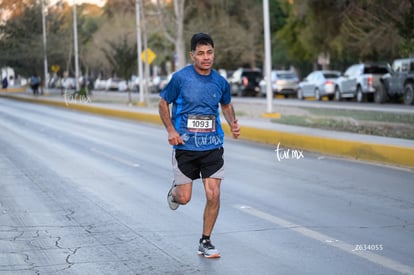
[83, 194]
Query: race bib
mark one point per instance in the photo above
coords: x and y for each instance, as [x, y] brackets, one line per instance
[201, 123]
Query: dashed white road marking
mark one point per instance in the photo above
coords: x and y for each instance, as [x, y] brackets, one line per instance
[328, 240]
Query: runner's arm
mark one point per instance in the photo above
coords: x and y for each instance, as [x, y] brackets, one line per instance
[164, 110]
[230, 116]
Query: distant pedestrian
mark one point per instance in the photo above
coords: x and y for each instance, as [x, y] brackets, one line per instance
[35, 83]
[4, 83]
[194, 129]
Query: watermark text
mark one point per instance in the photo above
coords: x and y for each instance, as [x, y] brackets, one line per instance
[75, 98]
[286, 153]
[368, 247]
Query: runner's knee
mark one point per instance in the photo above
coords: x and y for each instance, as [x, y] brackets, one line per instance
[182, 193]
[213, 194]
[182, 198]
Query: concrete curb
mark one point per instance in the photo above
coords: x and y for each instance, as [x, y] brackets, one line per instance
[373, 152]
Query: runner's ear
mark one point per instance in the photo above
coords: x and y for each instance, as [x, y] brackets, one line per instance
[192, 55]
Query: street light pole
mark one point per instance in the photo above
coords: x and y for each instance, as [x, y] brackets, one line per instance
[75, 41]
[46, 78]
[145, 38]
[139, 49]
[268, 56]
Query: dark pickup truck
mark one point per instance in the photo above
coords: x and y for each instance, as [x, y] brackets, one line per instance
[398, 83]
[245, 82]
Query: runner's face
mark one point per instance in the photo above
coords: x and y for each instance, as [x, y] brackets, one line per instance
[203, 58]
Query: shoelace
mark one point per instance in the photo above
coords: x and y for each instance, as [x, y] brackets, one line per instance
[207, 244]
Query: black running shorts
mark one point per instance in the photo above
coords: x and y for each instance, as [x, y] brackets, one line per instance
[191, 165]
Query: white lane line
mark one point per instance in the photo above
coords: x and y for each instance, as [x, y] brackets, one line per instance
[368, 255]
[120, 160]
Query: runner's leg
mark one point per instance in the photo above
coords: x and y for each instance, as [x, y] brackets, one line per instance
[182, 193]
[211, 210]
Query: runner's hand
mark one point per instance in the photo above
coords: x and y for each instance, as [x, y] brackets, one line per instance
[174, 138]
[235, 129]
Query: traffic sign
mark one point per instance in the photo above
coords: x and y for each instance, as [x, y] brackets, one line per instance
[55, 68]
[150, 54]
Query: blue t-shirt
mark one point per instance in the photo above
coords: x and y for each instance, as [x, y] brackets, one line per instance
[195, 111]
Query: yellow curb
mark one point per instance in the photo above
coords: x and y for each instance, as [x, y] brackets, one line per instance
[13, 90]
[380, 153]
[271, 115]
[85, 107]
[312, 98]
[133, 115]
[141, 104]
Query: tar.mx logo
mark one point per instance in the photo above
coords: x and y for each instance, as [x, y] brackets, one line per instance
[75, 98]
[286, 153]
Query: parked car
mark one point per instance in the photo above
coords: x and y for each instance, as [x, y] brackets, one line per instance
[158, 83]
[122, 86]
[318, 84]
[69, 83]
[134, 83]
[115, 84]
[284, 83]
[100, 84]
[245, 82]
[398, 83]
[360, 81]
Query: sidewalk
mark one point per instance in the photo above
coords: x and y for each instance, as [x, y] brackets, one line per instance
[391, 151]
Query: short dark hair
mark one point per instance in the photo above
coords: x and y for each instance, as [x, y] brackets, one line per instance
[201, 38]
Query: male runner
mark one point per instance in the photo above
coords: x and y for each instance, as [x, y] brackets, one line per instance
[194, 130]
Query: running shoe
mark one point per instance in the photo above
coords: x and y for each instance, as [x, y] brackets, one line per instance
[170, 199]
[207, 249]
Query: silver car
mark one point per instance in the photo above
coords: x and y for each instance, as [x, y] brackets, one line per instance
[319, 84]
[283, 83]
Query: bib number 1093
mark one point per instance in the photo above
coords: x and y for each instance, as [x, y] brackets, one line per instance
[201, 124]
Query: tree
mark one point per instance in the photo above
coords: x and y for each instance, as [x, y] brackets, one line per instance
[123, 59]
[88, 25]
[21, 41]
[173, 28]
[17, 7]
[378, 30]
[236, 27]
[112, 29]
[311, 28]
[113, 7]
[367, 34]
[349, 31]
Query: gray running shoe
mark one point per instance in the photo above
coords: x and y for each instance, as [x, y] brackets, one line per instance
[207, 249]
[170, 199]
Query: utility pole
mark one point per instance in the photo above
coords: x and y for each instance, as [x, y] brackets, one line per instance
[75, 41]
[268, 57]
[147, 65]
[46, 78]
[139, 49]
